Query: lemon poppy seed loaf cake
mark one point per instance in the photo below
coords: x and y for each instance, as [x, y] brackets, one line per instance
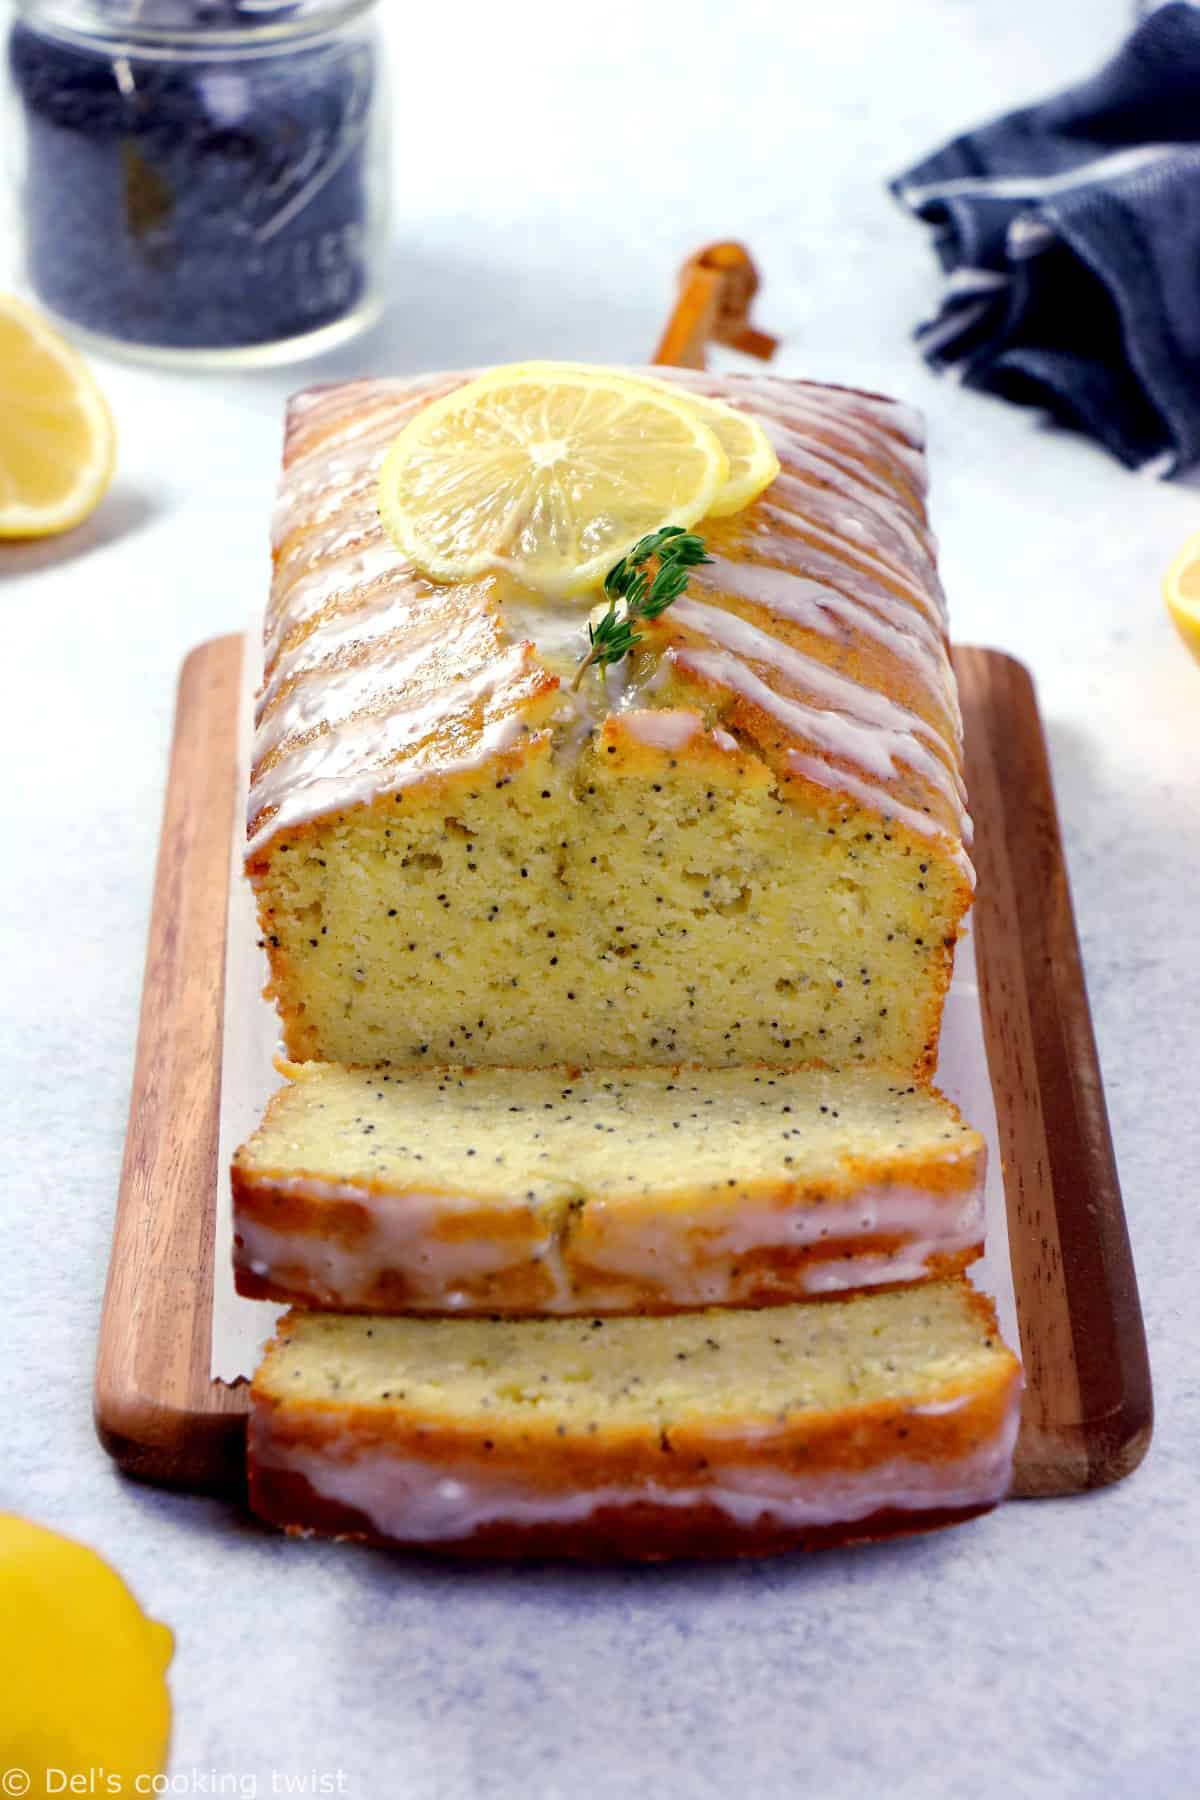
[652, 1190]
[708, 1433]
[747, 845]
[610, 948]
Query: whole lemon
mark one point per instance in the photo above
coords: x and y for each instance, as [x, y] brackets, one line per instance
[82, 1670]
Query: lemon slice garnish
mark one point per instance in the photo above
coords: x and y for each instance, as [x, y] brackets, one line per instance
[57, 443]
[1181, 590]
[548, 472]
[753, 464]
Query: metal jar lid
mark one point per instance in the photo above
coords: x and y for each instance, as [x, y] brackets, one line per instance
[180, 26]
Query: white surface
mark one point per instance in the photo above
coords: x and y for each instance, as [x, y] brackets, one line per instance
[553, 165]
[962, 1075]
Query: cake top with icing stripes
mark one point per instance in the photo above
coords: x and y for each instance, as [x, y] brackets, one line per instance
[815, 639]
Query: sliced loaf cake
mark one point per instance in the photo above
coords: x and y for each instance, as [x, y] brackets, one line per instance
[640, 1438]
[499, 1190]
[747, 847]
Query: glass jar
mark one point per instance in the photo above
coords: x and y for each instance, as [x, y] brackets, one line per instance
[202, 181]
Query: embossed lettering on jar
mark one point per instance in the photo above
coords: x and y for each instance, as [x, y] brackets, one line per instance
[202, 180]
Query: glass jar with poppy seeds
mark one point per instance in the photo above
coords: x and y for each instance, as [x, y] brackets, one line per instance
[202, 181]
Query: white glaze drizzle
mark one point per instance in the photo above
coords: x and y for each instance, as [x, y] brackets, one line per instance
[343, 693]
[854, 478]
[855, 520]
[841, 456]
[347, 632]
[858, 532]
[559, 634]
[667, 728]
[349, 765]
[404, 1234]
[905, 732]
[421, 1501]
[780, 550]
[691, 1258]
[879, 750]
[321, 582]
[878, 800]
[856, 556]
[677, 1254]
[868, 424]
[891, 623]
[898, 431]
[365, 420]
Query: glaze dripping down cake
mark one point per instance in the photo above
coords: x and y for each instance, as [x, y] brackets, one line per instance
[750, 848]
[707, 1433]
[652, 1190]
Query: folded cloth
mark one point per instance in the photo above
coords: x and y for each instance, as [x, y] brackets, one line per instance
[1070, 233]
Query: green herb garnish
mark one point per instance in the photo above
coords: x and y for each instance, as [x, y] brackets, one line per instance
[631, 589]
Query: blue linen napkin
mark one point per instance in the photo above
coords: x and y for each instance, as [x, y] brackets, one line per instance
[1070, 235]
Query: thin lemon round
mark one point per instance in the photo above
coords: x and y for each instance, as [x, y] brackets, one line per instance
[82, 1669]
[57, 442]
[753, 464]
[1181, 590]
[547, 472]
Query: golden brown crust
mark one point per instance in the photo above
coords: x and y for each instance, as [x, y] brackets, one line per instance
[840, 450]
[652, 1481]
[770, 1277]
[532, 1442]
[524, 1287]
[584, 1257]
[640, 1532]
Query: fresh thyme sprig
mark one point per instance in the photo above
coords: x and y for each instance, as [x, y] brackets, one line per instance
[629, 586]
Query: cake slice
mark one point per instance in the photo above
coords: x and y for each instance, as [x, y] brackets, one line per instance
[518, 1191]
[712, 1433]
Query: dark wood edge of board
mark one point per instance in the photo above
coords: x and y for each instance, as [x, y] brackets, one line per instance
[1088, 1410]
[157, 1412]
[1107, 1431]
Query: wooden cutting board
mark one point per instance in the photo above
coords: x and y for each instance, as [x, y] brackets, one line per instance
[1087, 1412]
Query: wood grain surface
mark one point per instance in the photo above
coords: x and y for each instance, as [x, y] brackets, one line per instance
[1087, 1414]
[157, 1411]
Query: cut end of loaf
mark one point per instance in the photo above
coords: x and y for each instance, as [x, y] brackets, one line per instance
[748, 846]
[637, 907]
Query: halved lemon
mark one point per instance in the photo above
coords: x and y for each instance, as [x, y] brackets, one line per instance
[84, 1671]
[1181, 590]
[549, 472]
[57, 443]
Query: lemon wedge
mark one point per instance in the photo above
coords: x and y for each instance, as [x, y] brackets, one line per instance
[1181, 590]
[551, 473]
[57, 443]
[83, 1671]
